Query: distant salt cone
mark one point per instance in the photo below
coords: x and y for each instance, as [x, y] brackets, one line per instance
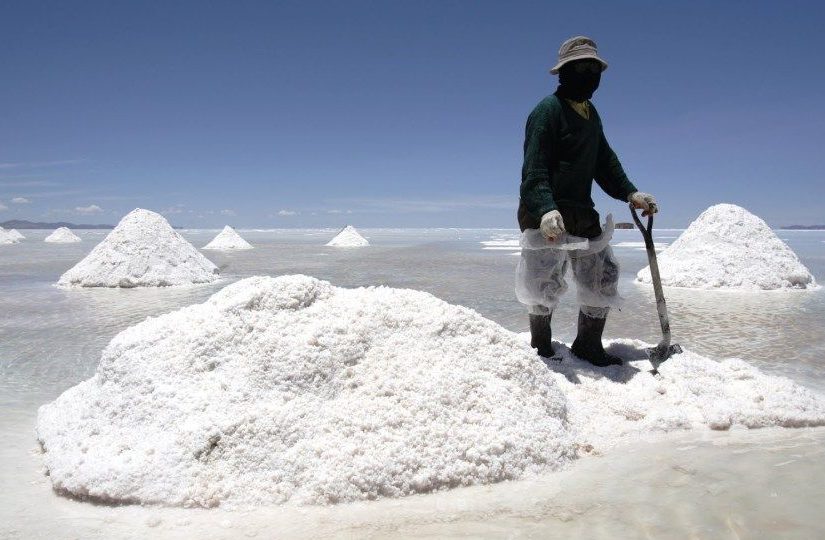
[62, 236]
[228, 240]
[348, 237]
[6, 237]
[14, 233]
[727, 247]
[142, 251]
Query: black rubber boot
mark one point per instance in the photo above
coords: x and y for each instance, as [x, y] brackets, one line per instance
[541, 335]
[588, 344]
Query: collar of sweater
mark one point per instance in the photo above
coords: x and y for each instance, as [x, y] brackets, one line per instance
[581, 107]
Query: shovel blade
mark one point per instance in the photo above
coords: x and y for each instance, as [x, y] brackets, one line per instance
[657, 355]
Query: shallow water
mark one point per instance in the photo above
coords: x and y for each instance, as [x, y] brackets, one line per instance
[764, 483]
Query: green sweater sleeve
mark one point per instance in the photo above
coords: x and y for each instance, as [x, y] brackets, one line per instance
[609, 172]
[536, 193]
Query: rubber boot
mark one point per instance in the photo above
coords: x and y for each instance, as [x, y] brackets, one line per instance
[540, 334]
[588, 343]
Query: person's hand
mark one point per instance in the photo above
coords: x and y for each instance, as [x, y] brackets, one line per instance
[643, 201]
[552, 226]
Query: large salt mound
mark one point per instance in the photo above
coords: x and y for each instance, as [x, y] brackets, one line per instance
[228, 239]
[348, 237]
[62, 236]
[142, 251]
[727, 247]
[290, 389]
[14, 233]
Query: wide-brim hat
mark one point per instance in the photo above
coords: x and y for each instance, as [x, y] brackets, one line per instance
[577, 48]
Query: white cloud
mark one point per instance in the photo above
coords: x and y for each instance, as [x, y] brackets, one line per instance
[59, 193]
[86, 210]
[227, 212]
[177, 209]
[18, 181]
[287, 213]
[34, 164]
[20, 200]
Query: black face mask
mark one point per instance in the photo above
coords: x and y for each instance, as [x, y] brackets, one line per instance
[576, 85]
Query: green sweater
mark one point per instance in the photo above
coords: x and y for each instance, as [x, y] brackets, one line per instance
[563, 154]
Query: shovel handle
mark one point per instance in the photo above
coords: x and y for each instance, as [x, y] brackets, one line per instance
[661, 306]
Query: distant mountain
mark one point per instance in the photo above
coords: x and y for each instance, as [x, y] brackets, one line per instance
[24, 224]
[624, 225]
[804, 228]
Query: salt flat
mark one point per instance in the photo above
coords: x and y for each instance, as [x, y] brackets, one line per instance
[716, 483]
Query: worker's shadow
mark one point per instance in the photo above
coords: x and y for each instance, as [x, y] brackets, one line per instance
[571, 367]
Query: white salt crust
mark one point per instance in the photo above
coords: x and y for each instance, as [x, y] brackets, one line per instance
[142, 251]
[348, 237]
[291, 390]
[62, 236]
[727, 247]
[609, 405]
[228, 240]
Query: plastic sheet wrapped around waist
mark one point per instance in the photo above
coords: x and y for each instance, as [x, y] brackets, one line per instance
[575, 245]
[540, 274]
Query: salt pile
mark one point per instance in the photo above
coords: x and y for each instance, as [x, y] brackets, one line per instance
[348, 237]
[62, 236]
[142, 251]
[6, 237]
[290, 389]
[727, 247]
[228, 239]
[14, 233]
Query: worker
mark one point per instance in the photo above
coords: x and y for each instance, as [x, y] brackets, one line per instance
[565, 149]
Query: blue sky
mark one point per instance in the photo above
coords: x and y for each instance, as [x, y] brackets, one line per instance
[398, 114]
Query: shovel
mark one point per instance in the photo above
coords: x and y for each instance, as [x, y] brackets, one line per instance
[664, 349]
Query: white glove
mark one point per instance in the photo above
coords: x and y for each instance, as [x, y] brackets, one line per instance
[552, 226]
[643, 201]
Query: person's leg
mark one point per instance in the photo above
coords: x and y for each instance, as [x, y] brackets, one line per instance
[539, 284]
[588, 343]
[541, 335]
[597, 277]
